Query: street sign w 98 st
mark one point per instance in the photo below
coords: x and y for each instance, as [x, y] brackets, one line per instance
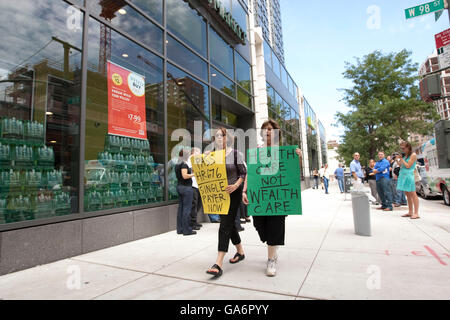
[425, 8]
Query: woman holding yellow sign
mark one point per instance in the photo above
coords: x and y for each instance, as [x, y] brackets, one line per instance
[236, 173]
[271, 229]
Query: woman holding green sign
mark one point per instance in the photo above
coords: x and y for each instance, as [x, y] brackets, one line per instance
[236, 173]
[271, 229]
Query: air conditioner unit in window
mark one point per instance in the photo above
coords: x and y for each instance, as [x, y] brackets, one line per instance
[430, 88]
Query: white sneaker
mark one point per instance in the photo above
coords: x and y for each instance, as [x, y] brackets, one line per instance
[271, 268]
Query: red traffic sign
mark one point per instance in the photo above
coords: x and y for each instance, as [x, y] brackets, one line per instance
[442, 39]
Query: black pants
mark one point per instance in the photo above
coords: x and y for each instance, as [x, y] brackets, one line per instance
[184, 209]
[228, 230]
[243, 211]
[196, 205]
[271, 229]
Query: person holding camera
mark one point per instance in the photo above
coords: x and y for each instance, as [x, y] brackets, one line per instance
[406, 179]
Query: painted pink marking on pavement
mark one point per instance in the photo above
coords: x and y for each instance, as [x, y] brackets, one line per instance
[435, 255]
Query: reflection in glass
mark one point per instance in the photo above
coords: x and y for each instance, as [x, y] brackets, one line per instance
[278, 105]
[276, 66]
[221, 53]
[187, 102]
[187, 24]
[239, 14]
[284, 76]
[122, 171]
[243, 73]
[186, 58]
[40, 89]
[154, 8]
[220, 110]
[270, 96]
[268, 54]
[129, 20]
[222, 83]
[244, 98]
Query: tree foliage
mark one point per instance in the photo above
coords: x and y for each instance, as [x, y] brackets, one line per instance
[385, 105]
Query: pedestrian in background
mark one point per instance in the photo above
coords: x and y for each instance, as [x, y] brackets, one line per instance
[236, 174]
[372, 181]
[185, 192]
[399, 196]
[384, 187]
[356, 171]
[321, 171]
[406, 180]
[326, 178]
[339, 174]
[316, 178]
[196, 199]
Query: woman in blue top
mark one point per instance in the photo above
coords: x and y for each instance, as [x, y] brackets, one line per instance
[406, 181]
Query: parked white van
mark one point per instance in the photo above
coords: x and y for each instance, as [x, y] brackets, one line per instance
[437, 179]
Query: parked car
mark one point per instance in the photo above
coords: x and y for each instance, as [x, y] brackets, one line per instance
[437, 179]
[423, 188]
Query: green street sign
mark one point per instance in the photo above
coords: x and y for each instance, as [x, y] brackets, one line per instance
[425, 8]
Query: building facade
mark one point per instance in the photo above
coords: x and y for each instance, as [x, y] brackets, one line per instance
[91, 93]
[267, 16]
[431, 64]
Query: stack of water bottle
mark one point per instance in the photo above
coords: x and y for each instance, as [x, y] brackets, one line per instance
[30, 187]
[129, 177]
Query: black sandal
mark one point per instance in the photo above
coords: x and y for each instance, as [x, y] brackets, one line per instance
[215, 274]
[238, 255]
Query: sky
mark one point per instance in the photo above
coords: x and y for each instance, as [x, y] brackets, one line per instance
[320, 36]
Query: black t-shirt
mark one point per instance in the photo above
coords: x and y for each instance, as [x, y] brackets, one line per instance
[368, 176]
[181, 180]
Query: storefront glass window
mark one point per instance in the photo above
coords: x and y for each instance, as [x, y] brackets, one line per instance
[187, 102]
[186, 58]
[220, 112]
[222, 83]
[124, 151]
[244, 98]
[129, 20]
[221, 53]
[243, 73]
[40, 90]
[154, 8]
[186, 23]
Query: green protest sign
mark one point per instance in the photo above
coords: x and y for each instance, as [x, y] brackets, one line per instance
[273, 186]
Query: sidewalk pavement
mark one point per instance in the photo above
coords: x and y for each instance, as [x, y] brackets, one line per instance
[322, 259]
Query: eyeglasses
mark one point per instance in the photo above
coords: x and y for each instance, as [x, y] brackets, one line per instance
[219, 135]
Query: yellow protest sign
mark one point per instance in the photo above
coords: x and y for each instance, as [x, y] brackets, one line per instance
[211, 174]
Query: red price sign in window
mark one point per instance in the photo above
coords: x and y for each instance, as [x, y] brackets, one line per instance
[126, 102]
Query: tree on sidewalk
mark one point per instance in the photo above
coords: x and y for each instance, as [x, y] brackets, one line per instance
[385, 105]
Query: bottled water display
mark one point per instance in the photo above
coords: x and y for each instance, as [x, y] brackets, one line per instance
[30, 185]
[125, 176]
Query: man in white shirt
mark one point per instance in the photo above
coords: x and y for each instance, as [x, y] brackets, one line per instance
[326, 178]
[321, 171]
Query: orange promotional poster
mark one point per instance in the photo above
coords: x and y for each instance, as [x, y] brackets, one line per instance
[126, 103]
